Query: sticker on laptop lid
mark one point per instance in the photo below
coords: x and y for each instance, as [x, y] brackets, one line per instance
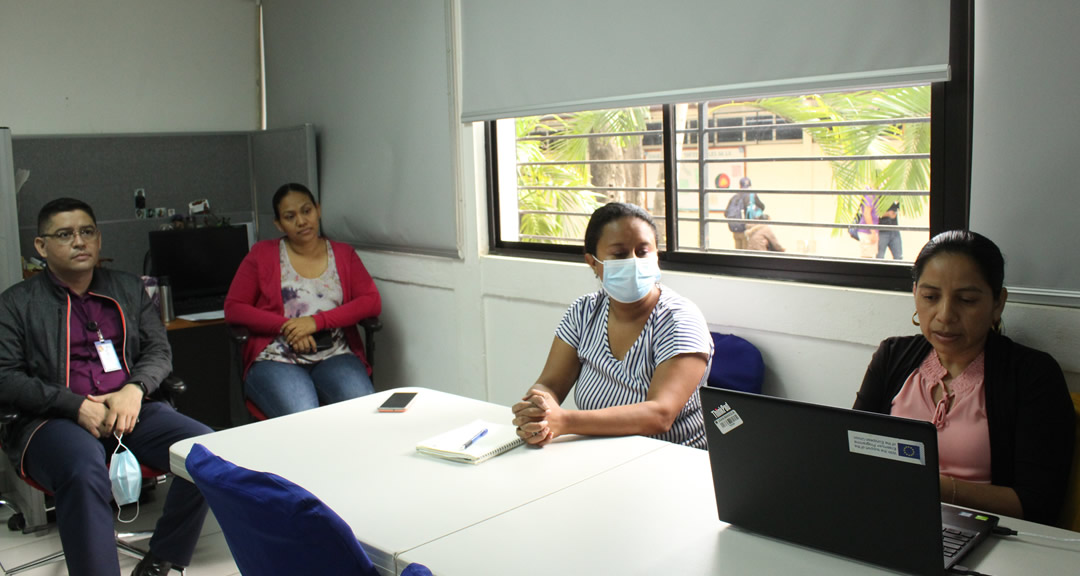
[887, 447]
[726, 418]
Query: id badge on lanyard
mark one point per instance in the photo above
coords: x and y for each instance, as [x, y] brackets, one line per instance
[107, 354]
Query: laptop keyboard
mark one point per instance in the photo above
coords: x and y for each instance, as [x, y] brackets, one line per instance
[955, 540]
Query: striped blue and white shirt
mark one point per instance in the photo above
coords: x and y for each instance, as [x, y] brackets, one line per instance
[674, 327]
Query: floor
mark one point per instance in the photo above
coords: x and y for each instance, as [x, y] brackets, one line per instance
[212, 557]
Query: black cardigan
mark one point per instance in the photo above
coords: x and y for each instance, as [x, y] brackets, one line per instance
[1028, 410]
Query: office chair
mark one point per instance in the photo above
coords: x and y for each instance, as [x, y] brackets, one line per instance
[239, 336]
[1070, 512]
[273, 526]
[736, 364]
[170, 388]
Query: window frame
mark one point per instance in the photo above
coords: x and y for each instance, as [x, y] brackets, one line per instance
[950, 161]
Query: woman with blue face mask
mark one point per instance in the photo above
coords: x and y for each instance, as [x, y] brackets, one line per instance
[634, 352]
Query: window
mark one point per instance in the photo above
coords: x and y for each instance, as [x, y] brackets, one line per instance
[808, 187]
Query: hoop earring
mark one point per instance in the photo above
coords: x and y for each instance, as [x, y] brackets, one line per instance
[914, 321]
[998, 326]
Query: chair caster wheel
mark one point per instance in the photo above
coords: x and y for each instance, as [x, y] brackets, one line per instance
[16, 522]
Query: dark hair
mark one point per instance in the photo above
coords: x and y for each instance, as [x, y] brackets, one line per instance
[610, 213]
[54, 207]
[979, 248]
[284, 191]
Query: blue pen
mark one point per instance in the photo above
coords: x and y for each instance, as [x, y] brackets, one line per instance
[478, 436]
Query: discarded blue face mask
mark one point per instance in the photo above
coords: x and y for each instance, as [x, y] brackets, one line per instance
[125, 475]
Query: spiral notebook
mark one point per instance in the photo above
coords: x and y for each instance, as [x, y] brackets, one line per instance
[455, 445]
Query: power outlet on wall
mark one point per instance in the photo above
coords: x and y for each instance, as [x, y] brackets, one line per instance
[140, 203]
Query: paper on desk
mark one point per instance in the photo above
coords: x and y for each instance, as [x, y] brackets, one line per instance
[499, 439]
[211, 315]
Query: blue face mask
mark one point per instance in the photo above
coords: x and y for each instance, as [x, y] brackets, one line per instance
[125, 475]
[630, 279]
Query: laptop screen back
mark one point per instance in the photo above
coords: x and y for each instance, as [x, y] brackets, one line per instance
[852, 483]
[199, 262]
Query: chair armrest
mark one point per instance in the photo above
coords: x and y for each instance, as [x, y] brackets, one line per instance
[370, 325]
[8, 414]
[238, 333]
[169, 390]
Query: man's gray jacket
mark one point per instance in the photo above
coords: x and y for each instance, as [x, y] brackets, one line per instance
[34, 349]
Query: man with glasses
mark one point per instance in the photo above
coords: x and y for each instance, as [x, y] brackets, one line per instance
[80, 349]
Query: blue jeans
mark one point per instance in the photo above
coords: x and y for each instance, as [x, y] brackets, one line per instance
[278, 388]
[890, 239]
[68, 461]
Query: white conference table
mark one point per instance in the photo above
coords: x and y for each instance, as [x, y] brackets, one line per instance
[657, 515]
[364, 465]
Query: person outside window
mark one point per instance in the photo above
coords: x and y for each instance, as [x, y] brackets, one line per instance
[742, 205]
[890, 239]
[760, 236]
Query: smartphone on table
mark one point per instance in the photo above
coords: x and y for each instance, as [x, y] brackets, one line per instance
[397, 402]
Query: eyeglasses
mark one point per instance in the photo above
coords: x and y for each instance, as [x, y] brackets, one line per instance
[67, 236]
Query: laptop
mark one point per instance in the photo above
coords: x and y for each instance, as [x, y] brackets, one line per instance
[200, 264]
[856, 484]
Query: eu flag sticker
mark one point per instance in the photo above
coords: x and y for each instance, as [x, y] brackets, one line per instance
[909, 451]
[888, 447]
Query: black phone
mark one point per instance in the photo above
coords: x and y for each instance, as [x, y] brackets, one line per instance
[397, 402]
[324, 340]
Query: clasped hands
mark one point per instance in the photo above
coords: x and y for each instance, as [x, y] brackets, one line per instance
[298, 333]
[113, 412]
[537, 417]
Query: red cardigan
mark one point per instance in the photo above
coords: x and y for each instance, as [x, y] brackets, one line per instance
[254, 299]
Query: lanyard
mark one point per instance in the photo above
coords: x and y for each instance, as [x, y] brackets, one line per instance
[88, 324]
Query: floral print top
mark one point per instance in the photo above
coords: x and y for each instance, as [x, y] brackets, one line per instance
[306, 297]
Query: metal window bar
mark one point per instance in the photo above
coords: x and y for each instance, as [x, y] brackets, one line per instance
[831, 124]
[703, 152]
[805, 192]
[590, 188]
[557, 136]
[578, 162]
[703, 216]
[864, 157]
[809, 224]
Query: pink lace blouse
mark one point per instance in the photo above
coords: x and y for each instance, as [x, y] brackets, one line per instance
[960, 416]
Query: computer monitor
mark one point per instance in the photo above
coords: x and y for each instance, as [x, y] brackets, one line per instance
[200, 262]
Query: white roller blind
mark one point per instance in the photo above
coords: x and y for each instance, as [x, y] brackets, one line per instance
[373, 77]
[524, 57]
[1023, 167]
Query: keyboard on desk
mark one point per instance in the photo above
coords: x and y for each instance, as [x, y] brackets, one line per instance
[199, 304]
[955, 541]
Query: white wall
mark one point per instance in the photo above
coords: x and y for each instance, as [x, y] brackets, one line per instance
[479, 325]
[114, 66]
[482, 326]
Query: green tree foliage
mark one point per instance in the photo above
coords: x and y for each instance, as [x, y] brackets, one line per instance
[873, 139]
[563, 203]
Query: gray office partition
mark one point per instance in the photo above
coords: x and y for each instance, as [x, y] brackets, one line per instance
[169, 170]
[280, 156]
[10, 268]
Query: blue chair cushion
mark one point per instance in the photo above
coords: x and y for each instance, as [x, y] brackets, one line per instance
[273, 526]
[736, 364]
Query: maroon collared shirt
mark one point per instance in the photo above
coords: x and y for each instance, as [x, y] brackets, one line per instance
[86, 375]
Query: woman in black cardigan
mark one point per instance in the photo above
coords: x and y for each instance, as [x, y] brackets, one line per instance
[1003, 412]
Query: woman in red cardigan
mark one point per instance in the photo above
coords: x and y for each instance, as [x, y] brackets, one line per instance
[301, 296]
